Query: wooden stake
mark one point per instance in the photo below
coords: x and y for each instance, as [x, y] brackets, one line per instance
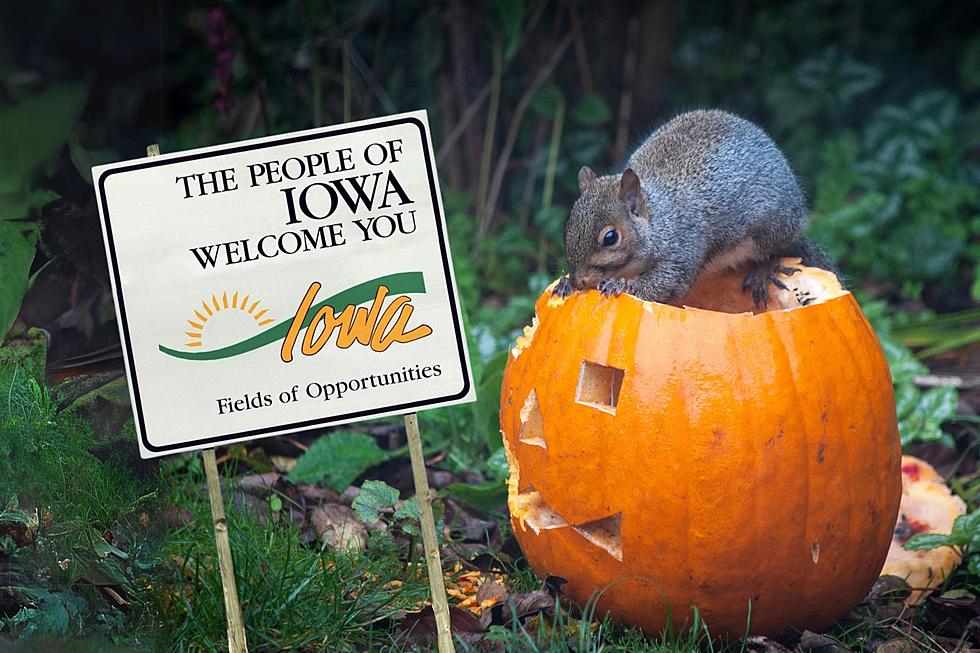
[440, 604]
[233, 610]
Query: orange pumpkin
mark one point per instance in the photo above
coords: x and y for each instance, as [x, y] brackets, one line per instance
[709, 457]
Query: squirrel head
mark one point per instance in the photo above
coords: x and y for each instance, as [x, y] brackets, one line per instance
[606, 232]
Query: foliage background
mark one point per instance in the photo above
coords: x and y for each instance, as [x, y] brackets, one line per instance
[876, 105]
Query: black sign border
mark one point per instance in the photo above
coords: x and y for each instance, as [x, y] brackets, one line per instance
[306, 424]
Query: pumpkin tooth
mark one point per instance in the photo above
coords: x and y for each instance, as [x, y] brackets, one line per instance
[524, 341]
[605, 533]
[537, 514]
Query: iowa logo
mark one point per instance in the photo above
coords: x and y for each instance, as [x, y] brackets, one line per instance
[374, 314]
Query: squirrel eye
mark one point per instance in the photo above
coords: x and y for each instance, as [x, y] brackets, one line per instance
[610, 238]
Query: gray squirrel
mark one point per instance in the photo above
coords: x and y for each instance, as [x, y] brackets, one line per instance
[705, 192]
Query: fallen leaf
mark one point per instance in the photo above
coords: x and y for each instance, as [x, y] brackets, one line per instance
[419, 628]
[897, 645]
[765, 645]
[958, 598]
[490, 595]
[811, 642]
[259, 485]
[554, 585]
[284, 464]
[338, 527]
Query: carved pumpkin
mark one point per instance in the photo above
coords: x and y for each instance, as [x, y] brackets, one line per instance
[705, 457]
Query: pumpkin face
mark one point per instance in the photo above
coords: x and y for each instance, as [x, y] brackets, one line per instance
[680, 457]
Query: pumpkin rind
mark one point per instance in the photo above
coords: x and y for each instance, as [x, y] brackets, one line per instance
[741, 458]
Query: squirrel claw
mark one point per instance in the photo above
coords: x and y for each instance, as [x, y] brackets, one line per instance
[758, 281]
[615, 287]
[564, 287]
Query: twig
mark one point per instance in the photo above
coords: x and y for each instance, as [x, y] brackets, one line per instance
[581, 55]
[489, 132]
[515, 124]
[553, 148]
[484, 93]
[368, 75]
[345, 58]
[314, 64]
[626, 97]
[938, 381]
[525, 208]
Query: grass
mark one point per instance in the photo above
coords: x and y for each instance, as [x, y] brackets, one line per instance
[92, 528]
[294, 596]
[78, 554]
[304, 597]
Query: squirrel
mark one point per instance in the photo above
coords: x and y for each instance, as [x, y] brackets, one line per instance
[707, 191]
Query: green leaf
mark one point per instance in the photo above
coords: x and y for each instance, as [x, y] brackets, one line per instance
[487, 408]
[974, 566]
[18, 242]
[967, 528]
[927, 541]
[51, 613]
[591, 110]
[901, 361]
[409, 516]
[338, 458]
[961, 593]
[920, 420]
[374, 497]
[939, 404]
[275, 503]
[33, 130]
[488, 497]
[85, 159]
[496, 465]
[511, 16]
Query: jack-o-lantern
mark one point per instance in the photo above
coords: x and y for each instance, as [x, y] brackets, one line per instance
[668, 456]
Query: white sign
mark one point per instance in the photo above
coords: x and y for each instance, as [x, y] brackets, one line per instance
[283, 283]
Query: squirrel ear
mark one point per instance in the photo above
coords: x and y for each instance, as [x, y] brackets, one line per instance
[585, 178]
[630, 192]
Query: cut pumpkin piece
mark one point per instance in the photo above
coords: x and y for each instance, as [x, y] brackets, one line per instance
[928, 506]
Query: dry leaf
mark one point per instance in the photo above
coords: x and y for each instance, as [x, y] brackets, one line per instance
[338, 527]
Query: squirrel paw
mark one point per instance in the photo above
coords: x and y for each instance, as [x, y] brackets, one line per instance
[564, 287]
[758, 281]
[615, 287]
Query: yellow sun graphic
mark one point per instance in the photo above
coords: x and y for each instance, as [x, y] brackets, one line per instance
[210, 308]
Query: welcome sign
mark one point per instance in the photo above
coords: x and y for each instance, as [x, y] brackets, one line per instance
[283, 283]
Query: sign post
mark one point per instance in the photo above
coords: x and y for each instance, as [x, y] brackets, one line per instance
[284, 284]
[233, 610]
[430, 541]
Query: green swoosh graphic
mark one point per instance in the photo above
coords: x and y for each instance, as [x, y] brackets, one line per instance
[400, 283]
